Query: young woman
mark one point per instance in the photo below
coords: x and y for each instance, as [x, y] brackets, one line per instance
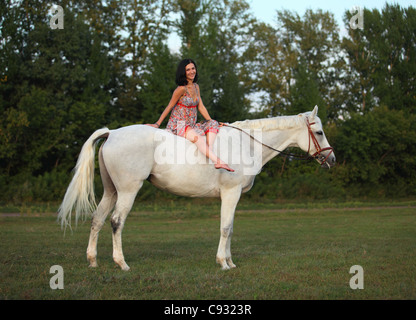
[185, 102]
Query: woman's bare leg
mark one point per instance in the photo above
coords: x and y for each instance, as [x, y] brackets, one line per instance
[211, 138]
[192, 136]
[205, 148]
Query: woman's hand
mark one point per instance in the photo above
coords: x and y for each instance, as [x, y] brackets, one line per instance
[154, 125]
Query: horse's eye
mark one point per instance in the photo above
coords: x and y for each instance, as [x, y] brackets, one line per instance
[319, 132]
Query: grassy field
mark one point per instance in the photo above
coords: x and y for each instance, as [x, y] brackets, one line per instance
[300, 253]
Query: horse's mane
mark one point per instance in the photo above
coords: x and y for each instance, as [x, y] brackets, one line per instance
[282, 122]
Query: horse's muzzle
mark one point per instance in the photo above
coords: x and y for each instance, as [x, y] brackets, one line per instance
[328, 160]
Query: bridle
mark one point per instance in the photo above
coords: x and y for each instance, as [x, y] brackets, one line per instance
[311, 136]
[318, 154]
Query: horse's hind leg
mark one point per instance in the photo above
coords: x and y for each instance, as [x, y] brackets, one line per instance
[123, 206]
[104, 207]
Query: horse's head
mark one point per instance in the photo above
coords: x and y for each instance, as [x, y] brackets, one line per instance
[314, 142]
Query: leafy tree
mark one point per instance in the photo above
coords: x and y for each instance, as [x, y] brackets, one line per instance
[144, 22]
[382, 56]
[305, 92]
[191, 13]
[376, 151]
[54, 90]
[220, 27]
[159, 82]
[294, 47]
[265, 70]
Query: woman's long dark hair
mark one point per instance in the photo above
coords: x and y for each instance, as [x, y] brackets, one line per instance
[181, 72]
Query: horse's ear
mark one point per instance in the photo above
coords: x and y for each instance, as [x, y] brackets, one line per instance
[314, 112]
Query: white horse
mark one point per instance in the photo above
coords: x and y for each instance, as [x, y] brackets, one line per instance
[135, 153]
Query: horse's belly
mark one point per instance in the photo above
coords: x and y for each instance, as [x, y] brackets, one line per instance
[188, 183]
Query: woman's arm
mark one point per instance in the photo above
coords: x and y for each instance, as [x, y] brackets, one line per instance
[201, 107]
[177, 94]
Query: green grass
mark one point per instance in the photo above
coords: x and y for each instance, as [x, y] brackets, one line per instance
[280, 254]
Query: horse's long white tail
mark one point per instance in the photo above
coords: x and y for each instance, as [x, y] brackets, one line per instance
[80, 192]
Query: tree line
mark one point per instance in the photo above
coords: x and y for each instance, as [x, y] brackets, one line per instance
[111, 65]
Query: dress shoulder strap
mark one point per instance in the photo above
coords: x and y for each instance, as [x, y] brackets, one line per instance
[196, 90]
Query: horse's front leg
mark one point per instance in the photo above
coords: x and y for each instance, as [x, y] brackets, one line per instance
[229, 200]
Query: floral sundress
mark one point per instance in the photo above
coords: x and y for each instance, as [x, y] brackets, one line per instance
[184, 115]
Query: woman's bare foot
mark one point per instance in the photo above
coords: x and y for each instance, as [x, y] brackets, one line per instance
[223, 166]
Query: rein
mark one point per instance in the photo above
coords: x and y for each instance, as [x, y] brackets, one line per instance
[312, 137]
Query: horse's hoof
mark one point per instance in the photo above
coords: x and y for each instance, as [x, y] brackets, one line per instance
[93, 261]
[223, 263]
[231, 264]
[123, 265]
